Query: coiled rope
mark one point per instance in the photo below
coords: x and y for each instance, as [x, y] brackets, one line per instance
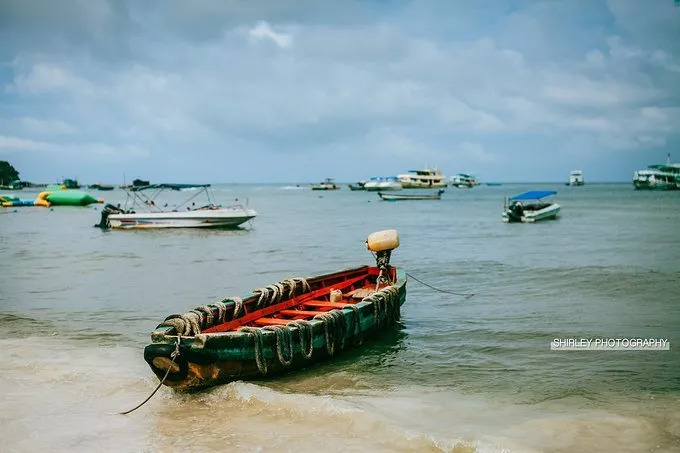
[173, 356]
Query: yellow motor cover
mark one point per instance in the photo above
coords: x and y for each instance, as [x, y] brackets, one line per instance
[383, 240]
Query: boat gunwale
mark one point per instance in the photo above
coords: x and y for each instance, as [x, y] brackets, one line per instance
[162, 333]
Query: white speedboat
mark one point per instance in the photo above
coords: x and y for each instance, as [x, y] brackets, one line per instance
[418, 179]
[575, 178]
[530, 207]
[382, 184]
[464, 181]
[143, 211]
[658, 177]
[328, 184]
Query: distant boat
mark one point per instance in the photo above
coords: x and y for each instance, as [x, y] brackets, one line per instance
[494, 184]
[327, 184]
[529, 207]
[100, 186]
[411, 196]
[13, 185]
[383, 184]
[464, 181]
[658, 177]
[361, 185]
[575, 178]
[423, 179]
[143, 212]
[71, 183]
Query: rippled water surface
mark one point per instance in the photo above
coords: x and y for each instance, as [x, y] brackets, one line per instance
[458, 374]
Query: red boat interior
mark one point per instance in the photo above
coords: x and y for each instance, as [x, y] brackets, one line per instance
[354, 285]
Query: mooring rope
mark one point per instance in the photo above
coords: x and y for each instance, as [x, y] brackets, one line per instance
[466, 295]
[173, 356]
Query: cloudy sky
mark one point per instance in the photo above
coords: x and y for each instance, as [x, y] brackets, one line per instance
[259, 91]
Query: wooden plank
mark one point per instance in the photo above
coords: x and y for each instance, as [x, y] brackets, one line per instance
[300, 312]
[322, 304]
[271, 322]
[299, 300]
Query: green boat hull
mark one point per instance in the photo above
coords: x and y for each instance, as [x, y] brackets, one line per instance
[217, 358]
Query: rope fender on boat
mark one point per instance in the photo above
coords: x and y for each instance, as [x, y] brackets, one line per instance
[284, 340]
[195, 321]
[258, 340]
[334, 329]
[386, 307]
[306, 336]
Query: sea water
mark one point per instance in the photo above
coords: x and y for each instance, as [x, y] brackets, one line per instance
[461, 374]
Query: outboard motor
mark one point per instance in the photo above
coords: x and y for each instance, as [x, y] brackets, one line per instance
[382, 243]
[108, 209]
[516, 210]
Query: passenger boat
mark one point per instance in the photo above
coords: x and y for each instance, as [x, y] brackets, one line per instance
[464, 181]
[328, 184]
[529, 207]
[575, 178]
[422, 179]
[143, 211]
[411, 196]
[658, 177]
[281, 327]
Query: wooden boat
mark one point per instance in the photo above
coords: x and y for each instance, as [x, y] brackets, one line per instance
[411, 196]
[530, 207]
[282, 327]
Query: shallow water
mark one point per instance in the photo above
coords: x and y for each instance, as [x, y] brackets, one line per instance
[459, 374]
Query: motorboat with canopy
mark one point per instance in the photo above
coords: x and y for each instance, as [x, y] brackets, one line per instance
[530, 207]
[143, 210]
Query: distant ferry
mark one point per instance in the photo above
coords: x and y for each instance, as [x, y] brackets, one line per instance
[658, 177]
[576, 178]
[464, 181]
[426, 178]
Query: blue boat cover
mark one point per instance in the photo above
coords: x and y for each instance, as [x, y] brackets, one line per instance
[534, 195]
